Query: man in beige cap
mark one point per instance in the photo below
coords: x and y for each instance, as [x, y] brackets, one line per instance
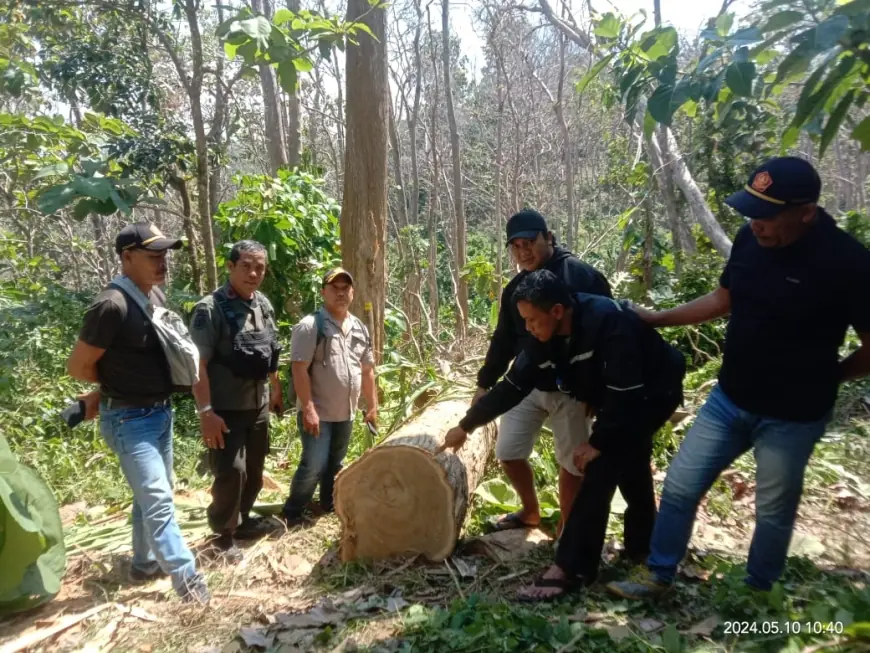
[332, 363]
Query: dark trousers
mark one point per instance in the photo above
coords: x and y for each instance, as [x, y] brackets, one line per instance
[322, 457]
[628, 468]
[238, 467]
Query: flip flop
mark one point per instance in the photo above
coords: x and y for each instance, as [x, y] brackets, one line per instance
[567, 585]
[509, 522]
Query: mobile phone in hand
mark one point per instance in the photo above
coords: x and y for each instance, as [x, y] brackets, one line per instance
[74, 414]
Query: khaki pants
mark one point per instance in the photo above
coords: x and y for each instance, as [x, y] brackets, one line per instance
[519, 428]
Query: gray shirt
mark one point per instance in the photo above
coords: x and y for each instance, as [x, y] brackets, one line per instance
[336, 364]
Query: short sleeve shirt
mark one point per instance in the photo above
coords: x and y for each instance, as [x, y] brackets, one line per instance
[133, 368]
[336, 363]
[790, 310]
[210, 332]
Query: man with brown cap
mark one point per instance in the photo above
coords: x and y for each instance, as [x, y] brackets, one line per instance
[332, 363]
[119, 349]
[793, 285]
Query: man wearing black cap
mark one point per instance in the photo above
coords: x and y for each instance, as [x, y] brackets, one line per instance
[119, 349]
[793, 285]
[533, 247]
[332, 364]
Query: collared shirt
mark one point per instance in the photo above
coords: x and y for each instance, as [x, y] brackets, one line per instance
[336, 363]
[211, 334]
[790, 309]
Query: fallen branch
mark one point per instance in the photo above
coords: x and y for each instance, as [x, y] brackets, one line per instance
[31, 639]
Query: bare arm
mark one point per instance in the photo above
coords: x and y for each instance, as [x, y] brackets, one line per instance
[82, 362]
[302, 385]
[709, 307]
[369, 391]
[857, 364]
[201, 389]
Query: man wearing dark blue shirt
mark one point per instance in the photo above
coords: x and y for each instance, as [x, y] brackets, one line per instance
[793, 285]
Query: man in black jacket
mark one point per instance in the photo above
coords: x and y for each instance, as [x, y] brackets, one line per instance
[608, 357]
[533, 247]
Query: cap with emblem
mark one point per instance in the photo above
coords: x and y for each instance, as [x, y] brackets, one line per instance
[142, 235]
[334, 274]
[526, 224]
[778, 184]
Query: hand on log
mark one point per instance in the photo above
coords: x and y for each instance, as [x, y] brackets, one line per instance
[454, 439]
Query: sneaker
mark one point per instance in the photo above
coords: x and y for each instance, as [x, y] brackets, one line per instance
[141, 576]
[641, 585]
[195, 591]
[224, 548]
[253, 528]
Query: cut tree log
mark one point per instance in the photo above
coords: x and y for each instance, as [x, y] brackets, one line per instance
[400, 499]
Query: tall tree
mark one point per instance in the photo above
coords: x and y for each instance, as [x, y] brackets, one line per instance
[294, 119]
[364, 205]
[458, 205]
[272, 112]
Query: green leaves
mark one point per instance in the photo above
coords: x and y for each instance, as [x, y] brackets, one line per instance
[52, 170]
[838, 115]
[861, 133]
[607, 27]
[782, 19]
[593, 73]
[723, 24]
[739, 77]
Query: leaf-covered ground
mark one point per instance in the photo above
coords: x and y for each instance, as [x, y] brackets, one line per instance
[292, 594]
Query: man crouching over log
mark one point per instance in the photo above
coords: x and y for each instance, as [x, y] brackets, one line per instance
[608, 357]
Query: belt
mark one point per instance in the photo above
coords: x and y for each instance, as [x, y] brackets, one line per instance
[112, 403]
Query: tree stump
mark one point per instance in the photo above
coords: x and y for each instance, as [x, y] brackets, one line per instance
[399, 498]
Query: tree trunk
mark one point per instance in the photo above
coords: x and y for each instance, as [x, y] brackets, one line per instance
[499, 129]
[202, 171]
[271, 112]
[693, 194]
[294, 121]
[180, 187]
[102, 247]
[434, 197]
[458, 207]
[567, 148]
[399, 498]
[397, 171]
[413, 119]
[364, 205]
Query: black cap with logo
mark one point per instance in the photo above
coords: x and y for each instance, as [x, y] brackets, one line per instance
[776, 185]
[143, 235]
[526, 224]
[334, 274]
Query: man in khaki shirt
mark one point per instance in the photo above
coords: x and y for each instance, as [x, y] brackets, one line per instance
[332, 363]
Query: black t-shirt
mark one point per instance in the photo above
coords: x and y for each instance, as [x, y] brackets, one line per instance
[134, 367]
[790, 310]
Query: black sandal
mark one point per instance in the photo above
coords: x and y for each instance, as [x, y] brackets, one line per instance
[567, 585]
[510, 522]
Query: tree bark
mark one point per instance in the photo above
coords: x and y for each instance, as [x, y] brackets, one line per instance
[364, 205]
[400, 498]
[499, 131]
[202, 170]
[180, 187]
[294, 121]
[458, 206]
[274, 128]
[434, 196]
[397, 170]
[693, 194]
[414, 118]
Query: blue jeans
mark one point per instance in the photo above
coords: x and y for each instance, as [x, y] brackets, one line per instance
[142, 440]
[720, 434]
[321, 461]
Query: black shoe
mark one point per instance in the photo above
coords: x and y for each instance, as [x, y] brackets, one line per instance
[253, 528]
[224, 548]
[195, 591]
[140, 576]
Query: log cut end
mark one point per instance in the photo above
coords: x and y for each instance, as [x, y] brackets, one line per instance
[396, 500]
